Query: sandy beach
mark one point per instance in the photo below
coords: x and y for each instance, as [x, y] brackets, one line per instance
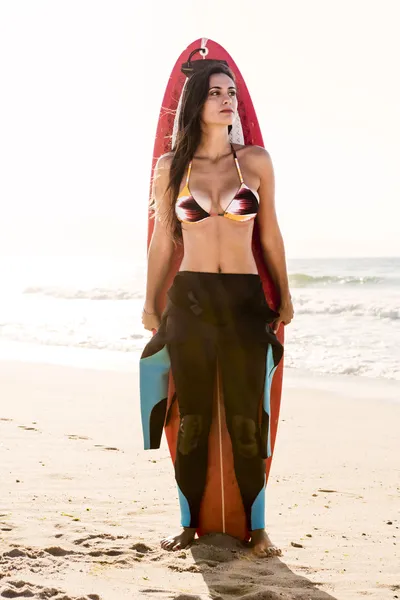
[83, 507]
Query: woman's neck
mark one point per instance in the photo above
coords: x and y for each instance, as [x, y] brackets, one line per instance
[213, 146]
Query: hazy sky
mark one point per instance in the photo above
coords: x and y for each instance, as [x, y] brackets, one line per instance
[81, 83]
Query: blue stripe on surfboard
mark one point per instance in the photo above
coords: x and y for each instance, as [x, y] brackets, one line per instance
[153, 373]
[270, 370]
[258, 510]
[185, 510]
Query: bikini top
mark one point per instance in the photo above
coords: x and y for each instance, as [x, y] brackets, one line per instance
[242, 207]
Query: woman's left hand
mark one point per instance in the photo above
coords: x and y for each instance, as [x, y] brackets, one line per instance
[286, 313]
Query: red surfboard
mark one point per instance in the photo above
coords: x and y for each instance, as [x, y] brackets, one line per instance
[222, 507]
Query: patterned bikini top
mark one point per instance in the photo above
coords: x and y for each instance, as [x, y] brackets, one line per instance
[242, 207]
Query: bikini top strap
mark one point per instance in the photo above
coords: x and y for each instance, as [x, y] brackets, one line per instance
[237, 164]
[188, 172]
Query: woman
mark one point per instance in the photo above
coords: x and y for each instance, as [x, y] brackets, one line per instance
[216, 306]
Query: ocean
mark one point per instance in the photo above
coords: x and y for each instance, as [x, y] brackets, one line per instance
[87, 311]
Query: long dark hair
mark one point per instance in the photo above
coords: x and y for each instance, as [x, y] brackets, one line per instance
[189, 135]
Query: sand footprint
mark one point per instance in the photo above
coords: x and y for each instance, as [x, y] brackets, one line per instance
[58, 551]
[98, 537]
[98, 546]
[23, 589]
[73, 436]
[28, 428]
[193, 597]
[141, 547]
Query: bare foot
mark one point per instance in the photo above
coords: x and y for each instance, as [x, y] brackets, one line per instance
[177, 542]
[262, 545]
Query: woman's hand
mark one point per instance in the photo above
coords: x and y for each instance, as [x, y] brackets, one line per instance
[286, 313]
[150, 320]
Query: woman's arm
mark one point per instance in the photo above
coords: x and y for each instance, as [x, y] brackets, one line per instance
[270, 234]
[161, 246]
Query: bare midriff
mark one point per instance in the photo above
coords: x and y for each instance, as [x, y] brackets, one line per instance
[218, 245]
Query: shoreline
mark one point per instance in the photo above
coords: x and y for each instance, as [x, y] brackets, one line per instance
[359, 387]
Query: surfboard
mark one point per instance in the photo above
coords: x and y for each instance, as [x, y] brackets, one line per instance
[222, 507]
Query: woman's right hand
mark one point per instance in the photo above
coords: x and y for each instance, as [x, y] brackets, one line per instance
[150, 320]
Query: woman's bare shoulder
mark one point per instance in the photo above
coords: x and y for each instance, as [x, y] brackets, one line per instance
[251, 151]
[255, 158]
[164, 161]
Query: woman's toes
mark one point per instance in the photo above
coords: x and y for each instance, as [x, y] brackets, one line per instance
[268, 551]
[178, 542]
